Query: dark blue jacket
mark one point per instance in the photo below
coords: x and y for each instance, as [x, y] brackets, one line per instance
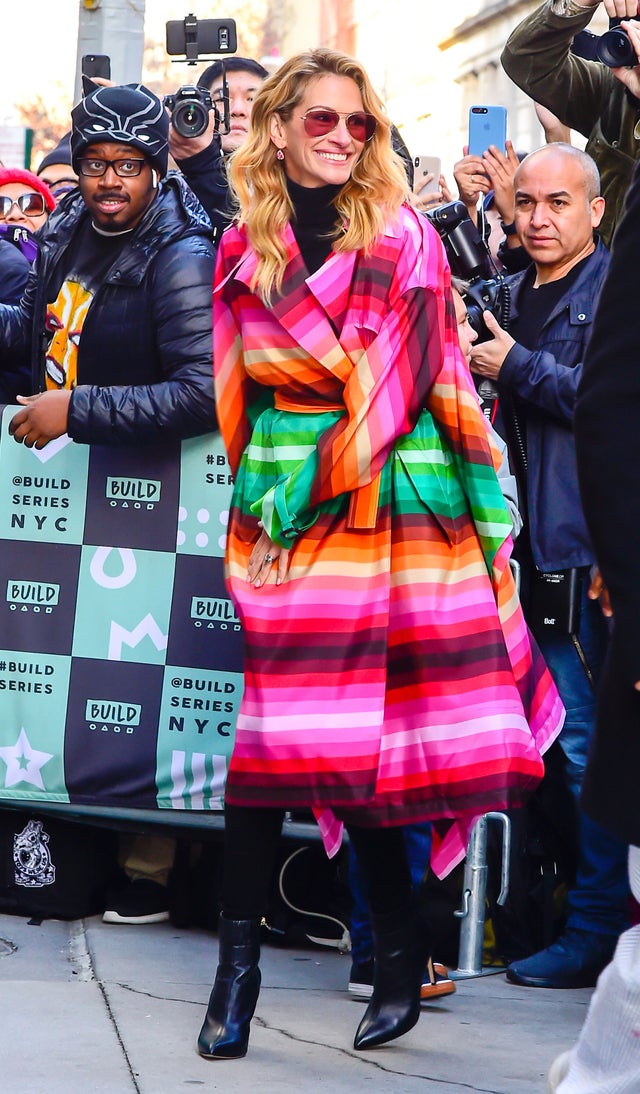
[14, 271]
[144, 365]
[547, 380]
[205, 172]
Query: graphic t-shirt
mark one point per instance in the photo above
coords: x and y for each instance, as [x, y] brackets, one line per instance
[87, 263]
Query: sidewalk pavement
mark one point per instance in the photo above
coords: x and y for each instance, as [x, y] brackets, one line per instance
[90, 1007]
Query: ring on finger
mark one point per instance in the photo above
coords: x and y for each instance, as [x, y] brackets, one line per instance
[268, 558]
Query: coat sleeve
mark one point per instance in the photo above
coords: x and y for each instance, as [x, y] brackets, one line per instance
[14, 271]
[206, 175]
[181, 403]
[540, 379]
[16, 321]
[383, 395]
[239, 399]
[607, 436]
[537, 57]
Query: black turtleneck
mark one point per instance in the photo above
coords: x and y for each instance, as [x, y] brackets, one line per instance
[314, 221]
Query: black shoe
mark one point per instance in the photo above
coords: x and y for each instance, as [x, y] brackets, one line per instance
[436, 981]
[225, 1033]
[575, 960]
[140, 901]
[401, 944]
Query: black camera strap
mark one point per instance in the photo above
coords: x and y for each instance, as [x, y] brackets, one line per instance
[583, 661]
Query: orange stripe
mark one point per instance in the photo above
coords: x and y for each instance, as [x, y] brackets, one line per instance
[297, 406]
[363, 505]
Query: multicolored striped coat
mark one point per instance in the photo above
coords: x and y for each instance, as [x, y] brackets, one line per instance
[391, 677]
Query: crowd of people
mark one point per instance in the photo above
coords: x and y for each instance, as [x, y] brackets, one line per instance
[399, 682]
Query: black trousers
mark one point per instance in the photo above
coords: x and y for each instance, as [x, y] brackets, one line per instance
[250, 848]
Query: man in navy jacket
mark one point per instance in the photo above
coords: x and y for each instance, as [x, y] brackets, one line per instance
[112, 340]
[537, 366]
[115, 323]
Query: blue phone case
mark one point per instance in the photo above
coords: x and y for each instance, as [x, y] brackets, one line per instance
[487, 125]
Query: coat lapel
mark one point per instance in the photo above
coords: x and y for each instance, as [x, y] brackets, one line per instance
[308, 305]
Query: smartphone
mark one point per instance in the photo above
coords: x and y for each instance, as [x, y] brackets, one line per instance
[96, 64]
[427, 165]
[192, 37]
[487, 125]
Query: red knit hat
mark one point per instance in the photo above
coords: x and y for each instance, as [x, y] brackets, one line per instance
[18, 174]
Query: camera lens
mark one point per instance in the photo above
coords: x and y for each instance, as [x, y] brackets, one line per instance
[615, 49]
[190, 118]
[476, 321]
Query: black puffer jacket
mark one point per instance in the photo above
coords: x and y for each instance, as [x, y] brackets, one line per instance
[145, 352]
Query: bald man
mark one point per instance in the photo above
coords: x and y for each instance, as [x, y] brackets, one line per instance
[537, 366]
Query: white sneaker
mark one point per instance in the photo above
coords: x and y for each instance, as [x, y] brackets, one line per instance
[559, 1070]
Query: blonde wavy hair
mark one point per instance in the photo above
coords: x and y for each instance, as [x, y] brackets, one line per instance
[375, 191]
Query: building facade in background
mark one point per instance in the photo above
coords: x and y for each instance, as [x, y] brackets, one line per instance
[429, 63]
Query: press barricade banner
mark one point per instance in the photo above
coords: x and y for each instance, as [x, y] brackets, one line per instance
[120, 666]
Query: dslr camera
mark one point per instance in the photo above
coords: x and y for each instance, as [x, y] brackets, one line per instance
[469, 258]
[189, 109]
[614, 47]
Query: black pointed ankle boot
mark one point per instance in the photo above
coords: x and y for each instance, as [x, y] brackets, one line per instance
[401, 948]
[225, 1033]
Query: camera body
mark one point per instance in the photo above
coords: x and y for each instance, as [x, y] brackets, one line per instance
[189, 109]
[487, 294]
[469, 259]
[466, 251]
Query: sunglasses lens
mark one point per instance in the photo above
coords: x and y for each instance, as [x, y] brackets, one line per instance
[319, 122]
[5, 206]
[32, 205]
[361, 126]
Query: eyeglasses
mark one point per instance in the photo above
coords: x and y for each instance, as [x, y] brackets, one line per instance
[31, 204]
[319, 120]
[95, 168]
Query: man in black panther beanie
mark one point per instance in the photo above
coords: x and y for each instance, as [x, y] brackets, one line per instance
[115, 329]
[122, 288]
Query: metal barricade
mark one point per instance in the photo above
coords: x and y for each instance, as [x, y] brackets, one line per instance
[474, 889]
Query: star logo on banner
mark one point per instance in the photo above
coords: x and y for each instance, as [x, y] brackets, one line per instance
[24, 763]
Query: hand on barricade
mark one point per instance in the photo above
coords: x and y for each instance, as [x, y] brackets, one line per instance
[43, 418]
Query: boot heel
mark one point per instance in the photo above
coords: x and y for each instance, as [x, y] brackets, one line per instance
[225, 1032]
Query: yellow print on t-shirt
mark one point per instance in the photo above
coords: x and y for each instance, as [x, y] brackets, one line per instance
[65, 318]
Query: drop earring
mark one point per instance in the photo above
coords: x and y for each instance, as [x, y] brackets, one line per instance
[279, 154]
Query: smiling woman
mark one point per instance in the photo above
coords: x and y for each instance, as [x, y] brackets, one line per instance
[361, 577]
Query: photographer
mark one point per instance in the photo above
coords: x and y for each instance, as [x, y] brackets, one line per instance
[201, 159]
[601, 102]
[537, 367]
